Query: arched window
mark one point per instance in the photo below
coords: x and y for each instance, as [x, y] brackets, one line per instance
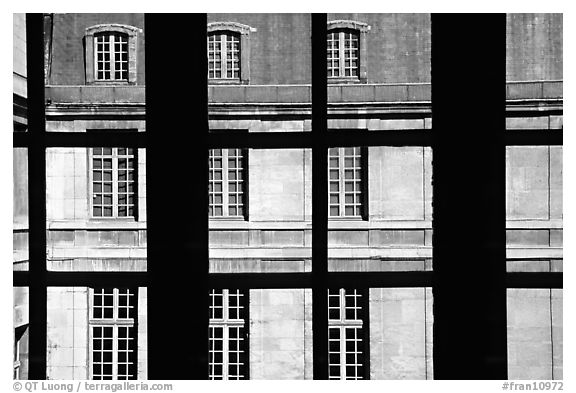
[224, 55]
[229, 52]
[346, 50]
[111, 53]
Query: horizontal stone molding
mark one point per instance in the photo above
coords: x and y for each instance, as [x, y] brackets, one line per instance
[534, 252]
[288, 225]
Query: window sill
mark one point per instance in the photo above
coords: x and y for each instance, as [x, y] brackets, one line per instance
[228, 218]
[111, 83]
[345, 80]
[223, 81]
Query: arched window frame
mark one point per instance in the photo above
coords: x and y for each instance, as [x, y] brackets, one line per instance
[243, 31]
[90, 55]
[361, 29]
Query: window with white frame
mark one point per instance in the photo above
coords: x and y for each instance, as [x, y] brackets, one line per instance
[111, 55]
[347, 182]
[228, 357]
[346, 352]
[224, 55]
[227, 183]
[113, 334]
[343, 53]
[346, 51]
[113, 182]
[228, 52]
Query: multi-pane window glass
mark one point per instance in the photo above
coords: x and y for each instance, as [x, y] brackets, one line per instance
[343, 53]
[113, 334]
[223, 56]
[346, 182]
[111, 57]
[346, 353]
[113, 182]
[227, 332]
[226, 187]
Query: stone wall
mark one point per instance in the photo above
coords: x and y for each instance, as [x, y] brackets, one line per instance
[535, 334]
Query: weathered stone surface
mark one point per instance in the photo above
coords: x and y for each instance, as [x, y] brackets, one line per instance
[529, 334]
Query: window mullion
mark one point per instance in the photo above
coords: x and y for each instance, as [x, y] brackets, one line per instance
[225, 349]
[342, 352]
[112, 57]
[341, 54]
[223, 56]
[114, 184]
[114, 352]
[341, 173]
[225, 197]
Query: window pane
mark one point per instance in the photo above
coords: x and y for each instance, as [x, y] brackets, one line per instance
[280, 341]
[401, 335]
[534, 208]
[20, 209]
[535, 343]
[96, 210]
[379, 61]
[247, 69]
[273, 233]
[88, 342]
[391, 189]
[20, 352]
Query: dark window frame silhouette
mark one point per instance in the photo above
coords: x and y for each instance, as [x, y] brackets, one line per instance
[192, 281]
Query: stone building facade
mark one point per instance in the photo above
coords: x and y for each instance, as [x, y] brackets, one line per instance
[261, 199]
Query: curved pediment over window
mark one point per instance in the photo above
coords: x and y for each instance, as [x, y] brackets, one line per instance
[230, 26]
[348, 24]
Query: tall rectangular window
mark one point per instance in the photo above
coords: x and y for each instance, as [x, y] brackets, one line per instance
[343, 53]
[113, 182]
[228, 331]
[111, 57]
[113, 334]
[346, 182]
[223, 56]
[346, 352]
[227, 183]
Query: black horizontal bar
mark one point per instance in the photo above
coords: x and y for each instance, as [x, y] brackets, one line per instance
[334, 138]
[21, 139]
[260, 280]
[261, 140]
[534, 280]
[85, 279]
[352, 137]
[333, 279]
[534, 137]
[107, 138]
[286, 280]
[284, 140]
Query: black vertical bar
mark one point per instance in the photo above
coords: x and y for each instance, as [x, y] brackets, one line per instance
[177, 195]
[468, 99]
[319, 198]
[36, 195]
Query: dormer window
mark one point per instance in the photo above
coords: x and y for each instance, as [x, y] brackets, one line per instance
[229, 52]
[111, 54]
[346, 51]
